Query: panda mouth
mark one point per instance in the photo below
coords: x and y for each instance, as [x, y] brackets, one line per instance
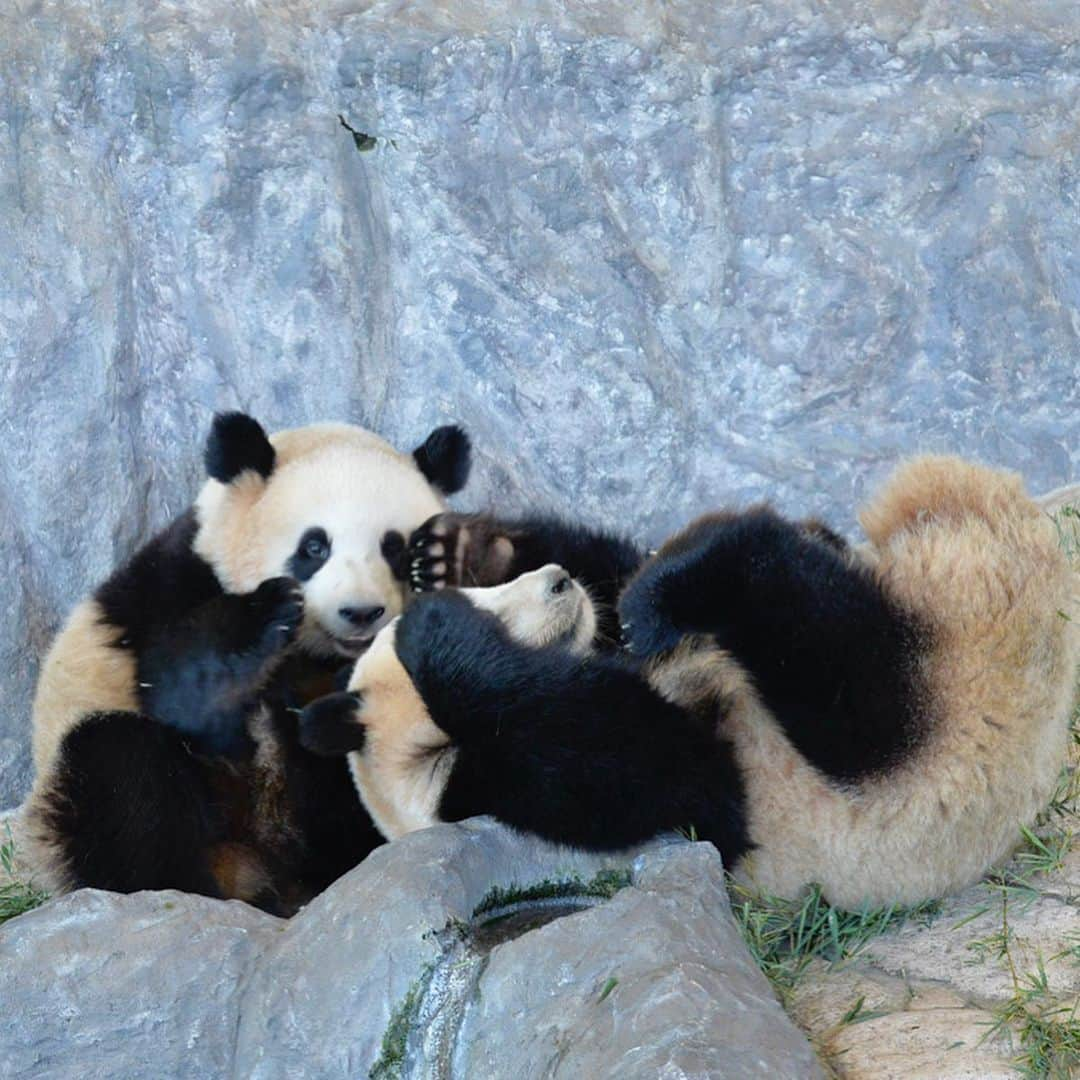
[353, 646]
[349, 646]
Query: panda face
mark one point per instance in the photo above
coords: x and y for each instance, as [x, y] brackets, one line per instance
[400, 759]
[333, 513]
[543, 607]
[342, 546]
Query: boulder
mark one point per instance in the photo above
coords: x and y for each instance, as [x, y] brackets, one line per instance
[459, 951]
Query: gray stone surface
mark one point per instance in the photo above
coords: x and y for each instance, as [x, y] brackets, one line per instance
[683, 997]
[163, 984]
[655, 256]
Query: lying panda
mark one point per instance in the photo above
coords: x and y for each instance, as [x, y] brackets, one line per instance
[164, 745]
[879, 721]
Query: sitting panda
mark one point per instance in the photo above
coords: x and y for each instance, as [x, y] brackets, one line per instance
[164, 723]
[880, 721]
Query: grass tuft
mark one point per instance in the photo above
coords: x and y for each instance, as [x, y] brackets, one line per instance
[784, 936]
[17, 897]
[603, 886]
[391, 1058]
[1047, 1029]
[1067, 521]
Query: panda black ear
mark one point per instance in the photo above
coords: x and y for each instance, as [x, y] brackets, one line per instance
[237, 442]
[331, 726]
[445, 458]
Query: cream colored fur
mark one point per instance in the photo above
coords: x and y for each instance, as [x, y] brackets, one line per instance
[82, 673]
[965, 547]
[535, 616]
[406, 759]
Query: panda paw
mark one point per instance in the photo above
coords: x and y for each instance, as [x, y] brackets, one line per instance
[645, 627]
[451, 550]
[275, 610]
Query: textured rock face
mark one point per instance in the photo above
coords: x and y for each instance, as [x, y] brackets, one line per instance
[392, 973]
[655, 258]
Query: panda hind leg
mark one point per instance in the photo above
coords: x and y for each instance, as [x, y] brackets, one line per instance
[127, 807]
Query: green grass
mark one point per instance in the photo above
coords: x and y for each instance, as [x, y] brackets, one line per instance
[1046, 1029]
[17, 897]
[391, 1058]
[784, 936]
[1043, 1026]
[603, 886]
[1067, 520]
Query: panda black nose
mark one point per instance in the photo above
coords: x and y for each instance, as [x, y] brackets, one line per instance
[362, 616]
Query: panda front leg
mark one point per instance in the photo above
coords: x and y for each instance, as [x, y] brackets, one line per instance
[829, 653]
[762, 586]
[201, 673]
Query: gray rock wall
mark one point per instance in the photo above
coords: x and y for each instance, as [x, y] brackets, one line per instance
[655, 256]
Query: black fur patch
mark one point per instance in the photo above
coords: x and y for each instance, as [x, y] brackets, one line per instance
[331, 726]
[201, 654]
[196, 647]
[834, 659]
[445, 458]
[396, 553]
[131, 807]
[164, 579]
[333, 830]
[311, 554]
[203, 671]
[237, 442]
[577, 750]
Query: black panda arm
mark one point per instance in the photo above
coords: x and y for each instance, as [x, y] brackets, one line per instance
[463, 663]
[480, 550]
[200, 654]
[831, 655]
[578, 750]
[200, 671]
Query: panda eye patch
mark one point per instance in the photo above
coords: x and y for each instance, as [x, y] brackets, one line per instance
[395, 552]
[315, 544]
[311, 552]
